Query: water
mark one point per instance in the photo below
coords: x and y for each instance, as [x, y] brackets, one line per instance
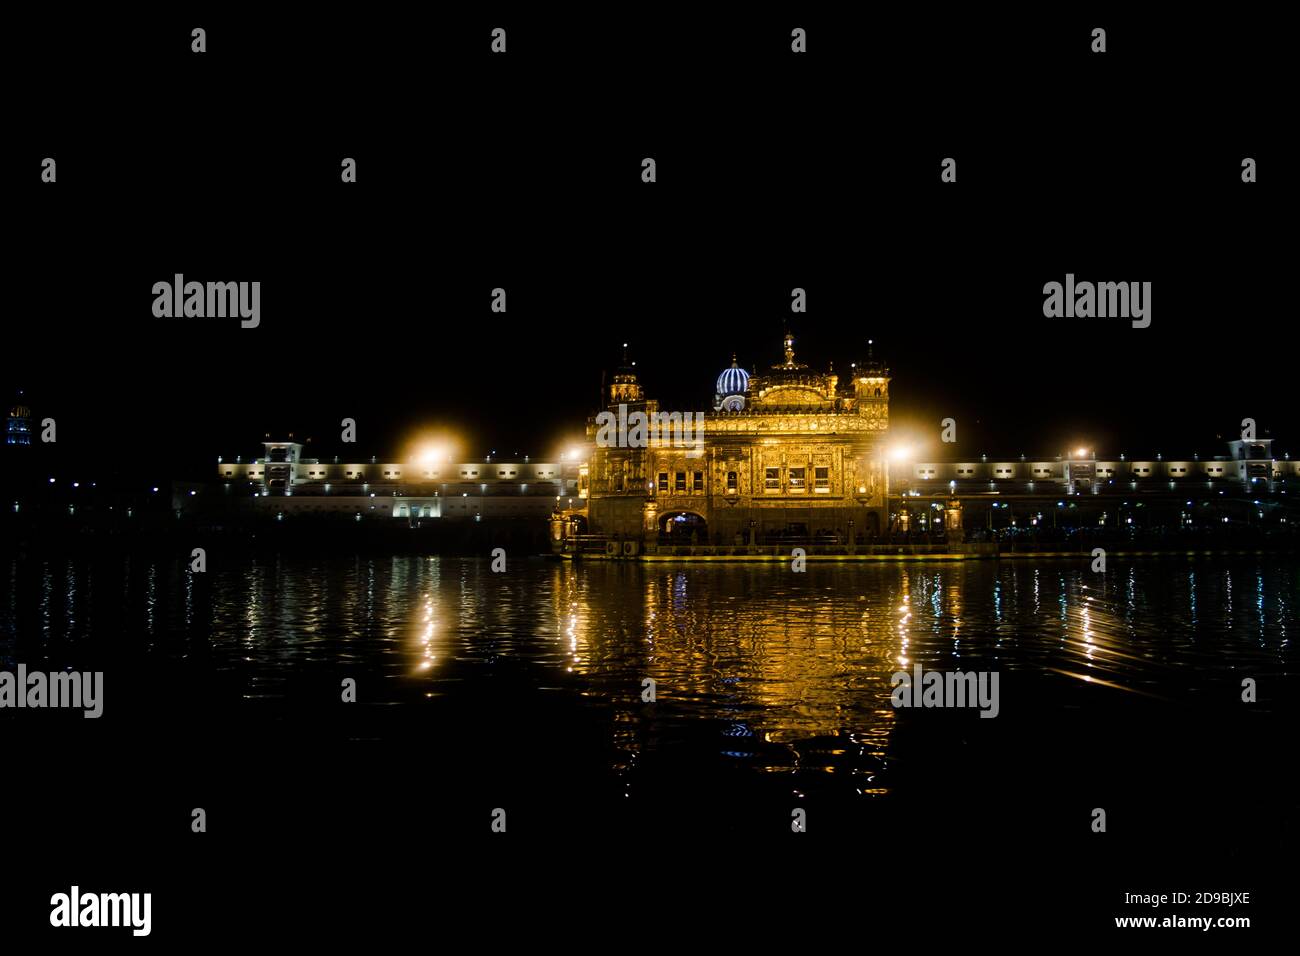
[522, 691]
[757, 670]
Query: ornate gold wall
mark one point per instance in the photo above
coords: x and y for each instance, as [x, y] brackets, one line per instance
[744, 478]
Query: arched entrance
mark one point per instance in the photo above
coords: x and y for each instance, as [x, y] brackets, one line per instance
[683, 527]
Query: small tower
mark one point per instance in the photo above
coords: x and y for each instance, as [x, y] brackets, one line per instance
[625, 389]
[280, 466]
[871, 384]
[18, 426]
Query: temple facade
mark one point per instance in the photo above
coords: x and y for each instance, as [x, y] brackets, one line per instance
[789, 453]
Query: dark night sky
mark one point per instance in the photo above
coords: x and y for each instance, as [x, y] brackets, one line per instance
[774, 172]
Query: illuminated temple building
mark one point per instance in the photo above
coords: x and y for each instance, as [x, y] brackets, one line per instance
[788, 452]
[788, 456]
[794, 456]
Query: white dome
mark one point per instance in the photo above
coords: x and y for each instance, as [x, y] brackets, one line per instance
[733, 380]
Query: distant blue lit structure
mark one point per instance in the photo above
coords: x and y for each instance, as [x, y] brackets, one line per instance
[18, 426]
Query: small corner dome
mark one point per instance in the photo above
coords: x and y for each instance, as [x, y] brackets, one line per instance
[733, 380]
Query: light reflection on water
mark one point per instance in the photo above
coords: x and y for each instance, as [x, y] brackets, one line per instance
[760, 666]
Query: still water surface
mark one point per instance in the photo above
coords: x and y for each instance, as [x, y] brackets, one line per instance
[757, 669]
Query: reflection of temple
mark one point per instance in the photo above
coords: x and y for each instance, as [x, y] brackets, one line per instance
[792, 453]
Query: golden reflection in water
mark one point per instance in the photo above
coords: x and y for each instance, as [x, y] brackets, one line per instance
[805, 668]
[425, 630]
[789, 671]
[953, 596]
[568, 606]
[904, 619]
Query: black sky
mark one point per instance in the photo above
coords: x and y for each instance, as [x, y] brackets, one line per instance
[523, 172]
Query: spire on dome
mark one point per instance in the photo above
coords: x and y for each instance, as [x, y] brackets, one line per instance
[790, 364]
[625, 388]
